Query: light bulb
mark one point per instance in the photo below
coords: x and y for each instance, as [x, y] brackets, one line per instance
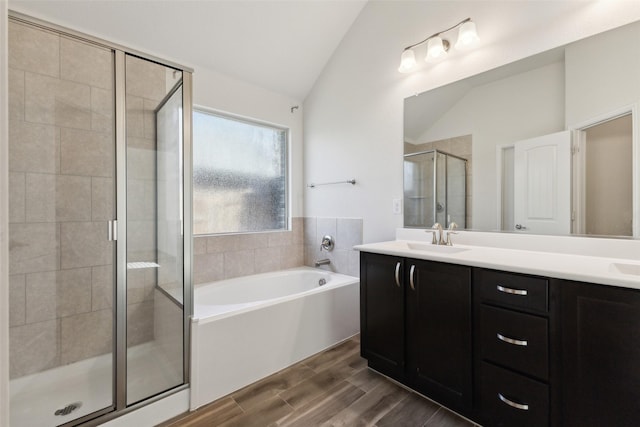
[407, 61]
[436, 49]
[467, 35]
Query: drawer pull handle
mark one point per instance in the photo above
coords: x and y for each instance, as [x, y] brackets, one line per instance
[411, 274]
[511, 340]
[398, 274]
[512, 403]
[511, 290]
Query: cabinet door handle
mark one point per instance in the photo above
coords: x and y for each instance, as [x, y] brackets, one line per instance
[512, 403]
[398, 274]
[512, 341]
[411, 274]
[512, 291]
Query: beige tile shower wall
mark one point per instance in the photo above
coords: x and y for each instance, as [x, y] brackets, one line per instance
[61, 148]
[347, 232]
[234, 255]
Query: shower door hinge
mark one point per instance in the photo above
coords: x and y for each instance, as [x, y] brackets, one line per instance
[113, 230]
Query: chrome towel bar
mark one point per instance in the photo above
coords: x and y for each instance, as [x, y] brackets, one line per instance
[350, 181]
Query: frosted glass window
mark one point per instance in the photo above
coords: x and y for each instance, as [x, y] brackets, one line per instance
[239, 175]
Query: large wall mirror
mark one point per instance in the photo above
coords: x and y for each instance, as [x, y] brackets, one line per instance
[545, 145]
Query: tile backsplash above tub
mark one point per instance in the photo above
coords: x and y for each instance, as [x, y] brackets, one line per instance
[346, 232]
[234, 255]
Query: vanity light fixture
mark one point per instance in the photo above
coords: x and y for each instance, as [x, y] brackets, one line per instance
[437, 47]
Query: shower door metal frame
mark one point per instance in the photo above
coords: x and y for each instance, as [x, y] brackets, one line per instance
[119, 406]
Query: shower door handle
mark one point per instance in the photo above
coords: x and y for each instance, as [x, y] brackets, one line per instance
[112, 230]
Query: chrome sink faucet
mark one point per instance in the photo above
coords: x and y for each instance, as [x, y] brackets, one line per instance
[438, 234]
[437, 228]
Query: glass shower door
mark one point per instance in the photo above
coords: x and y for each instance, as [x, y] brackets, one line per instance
[97, 247]
[155, 260]
[62, 169]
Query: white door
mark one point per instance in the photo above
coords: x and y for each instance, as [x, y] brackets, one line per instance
[542, 184]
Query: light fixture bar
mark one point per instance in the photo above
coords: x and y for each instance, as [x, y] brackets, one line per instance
[437, 34]
[437, 46]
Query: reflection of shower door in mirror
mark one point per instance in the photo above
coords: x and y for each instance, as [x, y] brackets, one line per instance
[62, 177]
[154, 229]
[434, 189]
[419, 182]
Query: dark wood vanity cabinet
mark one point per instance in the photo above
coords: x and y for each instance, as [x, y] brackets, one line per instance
[382, 313]
[599, 354]
[501, 348]
[416, 325]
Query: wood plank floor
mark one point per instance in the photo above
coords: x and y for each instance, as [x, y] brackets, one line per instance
[332, 388]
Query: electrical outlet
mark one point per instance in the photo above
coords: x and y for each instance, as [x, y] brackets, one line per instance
[397, 206]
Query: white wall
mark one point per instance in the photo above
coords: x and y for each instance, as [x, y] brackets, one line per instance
[601, 79]
[4, 222]
[354, 118]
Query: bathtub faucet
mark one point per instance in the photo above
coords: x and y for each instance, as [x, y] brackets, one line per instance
[325, 261]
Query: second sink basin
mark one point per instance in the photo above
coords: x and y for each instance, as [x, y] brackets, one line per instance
[435, 248]
[630, 269]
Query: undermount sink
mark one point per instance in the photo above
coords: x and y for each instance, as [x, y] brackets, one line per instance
[435, 248]
[631, 269]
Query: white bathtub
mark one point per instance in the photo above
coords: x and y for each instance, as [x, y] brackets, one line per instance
[247, 328]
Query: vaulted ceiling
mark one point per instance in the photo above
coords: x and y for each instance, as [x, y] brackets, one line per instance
[282, 46]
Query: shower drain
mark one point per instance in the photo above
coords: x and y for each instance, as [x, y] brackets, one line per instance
[68, 409]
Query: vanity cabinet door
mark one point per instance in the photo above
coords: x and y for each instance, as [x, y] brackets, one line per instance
[439, 334]
[382, 313]
[600, 354]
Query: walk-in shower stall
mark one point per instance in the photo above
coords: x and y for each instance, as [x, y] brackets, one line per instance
[434, 189]
[100, 282]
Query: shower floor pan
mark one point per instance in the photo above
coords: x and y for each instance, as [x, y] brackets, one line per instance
[87, 384]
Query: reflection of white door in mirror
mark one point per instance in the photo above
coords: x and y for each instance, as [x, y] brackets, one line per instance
[542, 184]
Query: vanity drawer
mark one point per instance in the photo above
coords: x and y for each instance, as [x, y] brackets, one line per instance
[512, 290]
[516, 340]
[507, 399]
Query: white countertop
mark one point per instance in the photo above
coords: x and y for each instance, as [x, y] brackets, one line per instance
[583, 268]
